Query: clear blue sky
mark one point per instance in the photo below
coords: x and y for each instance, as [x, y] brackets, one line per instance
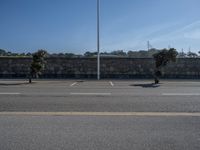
[70, 25]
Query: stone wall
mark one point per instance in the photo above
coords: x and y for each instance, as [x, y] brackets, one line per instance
[15, 67]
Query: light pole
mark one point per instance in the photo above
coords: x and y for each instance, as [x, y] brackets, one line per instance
[98, 43]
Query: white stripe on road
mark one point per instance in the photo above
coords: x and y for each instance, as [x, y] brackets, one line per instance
[73, 84]
[10, 93]
[181, 94]
[142, 114]
[111, 83]
[106, 94]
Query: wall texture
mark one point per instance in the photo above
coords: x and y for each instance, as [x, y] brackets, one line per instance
[13, 67]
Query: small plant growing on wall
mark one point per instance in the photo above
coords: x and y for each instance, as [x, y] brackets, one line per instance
[37, 64]
[162, 58]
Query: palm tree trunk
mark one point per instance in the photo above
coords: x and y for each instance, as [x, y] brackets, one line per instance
[156, 79]
[30, 78]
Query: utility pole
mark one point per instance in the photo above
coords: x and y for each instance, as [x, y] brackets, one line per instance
[98, 43]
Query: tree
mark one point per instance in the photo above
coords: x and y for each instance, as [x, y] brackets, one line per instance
[182, 55]
[192, 54]
[28, 54]
[118, 53]
[90, 54]
[162, 58]
[37, 64]
[69, 55]
[2, 52]
[142, 53]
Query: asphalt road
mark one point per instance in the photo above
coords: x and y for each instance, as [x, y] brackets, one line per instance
[93, 96]
[99, 133]
[171, 131]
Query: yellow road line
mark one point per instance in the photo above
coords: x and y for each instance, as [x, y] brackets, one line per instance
[164, 114]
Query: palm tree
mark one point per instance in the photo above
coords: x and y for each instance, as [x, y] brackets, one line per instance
[37, 64]
[162, 58]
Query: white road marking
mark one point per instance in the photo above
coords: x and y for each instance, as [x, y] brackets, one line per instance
[142, 114]
[111, 83]
[181, 94]
[73, 84]
[106, 94]
[10, 93]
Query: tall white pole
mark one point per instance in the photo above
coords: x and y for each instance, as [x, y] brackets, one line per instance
[98, 43]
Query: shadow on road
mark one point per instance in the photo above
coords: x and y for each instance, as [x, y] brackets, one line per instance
[149, 85]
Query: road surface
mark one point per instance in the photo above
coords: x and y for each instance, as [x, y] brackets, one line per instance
[109, 115]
